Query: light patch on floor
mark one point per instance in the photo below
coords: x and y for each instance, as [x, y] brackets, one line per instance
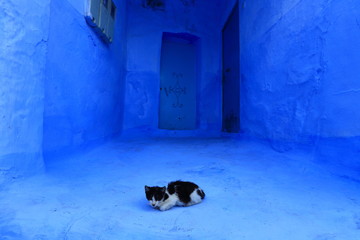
[252, 193]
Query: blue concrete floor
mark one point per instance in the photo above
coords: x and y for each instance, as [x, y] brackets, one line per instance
[252, 193]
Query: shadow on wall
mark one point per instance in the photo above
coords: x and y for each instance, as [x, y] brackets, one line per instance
[156, 5]
[159, 5]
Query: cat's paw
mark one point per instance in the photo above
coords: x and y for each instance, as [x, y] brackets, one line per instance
[164, 208]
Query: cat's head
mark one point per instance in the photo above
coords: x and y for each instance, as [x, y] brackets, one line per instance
[155, 195]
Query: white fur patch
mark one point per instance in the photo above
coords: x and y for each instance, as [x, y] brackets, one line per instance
[195, 198]
[169, 203]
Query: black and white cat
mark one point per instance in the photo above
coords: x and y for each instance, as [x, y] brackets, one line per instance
[177, 193]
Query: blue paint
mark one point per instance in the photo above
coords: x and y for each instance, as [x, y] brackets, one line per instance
[145, 30]
[23, 45]
[63, 89]
[84, 87]
[178, 81]
[231, 73]
[282, 66]
[299, 80]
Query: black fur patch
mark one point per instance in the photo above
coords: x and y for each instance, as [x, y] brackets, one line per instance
[166, 196]
[201, 193]
[156, 192]
[182, 189]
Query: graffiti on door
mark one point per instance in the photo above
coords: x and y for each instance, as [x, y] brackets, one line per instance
[178, 90]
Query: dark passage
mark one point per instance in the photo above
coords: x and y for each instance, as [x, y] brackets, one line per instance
[231, 73]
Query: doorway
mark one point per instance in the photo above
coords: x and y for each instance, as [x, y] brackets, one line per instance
[177, 106]
[231, 73]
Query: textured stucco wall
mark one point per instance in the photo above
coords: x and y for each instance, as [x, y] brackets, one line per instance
[341, 88]
[84, 87]
[340, 123]
[299, 69]
[145, 28]
[23, 45]
[300, 64]
[282, 68]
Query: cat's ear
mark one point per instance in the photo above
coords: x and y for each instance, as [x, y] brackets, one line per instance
[147, 188]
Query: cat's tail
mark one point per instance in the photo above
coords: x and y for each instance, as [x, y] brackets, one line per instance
[201, 193]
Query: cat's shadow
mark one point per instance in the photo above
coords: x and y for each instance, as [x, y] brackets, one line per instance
[143, 205]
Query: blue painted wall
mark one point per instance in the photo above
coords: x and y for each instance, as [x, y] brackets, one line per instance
[282, 69]
[63, 88]
[84, 88]
[300, 80]
[299, 64]
[23, 45]
[145, 28]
